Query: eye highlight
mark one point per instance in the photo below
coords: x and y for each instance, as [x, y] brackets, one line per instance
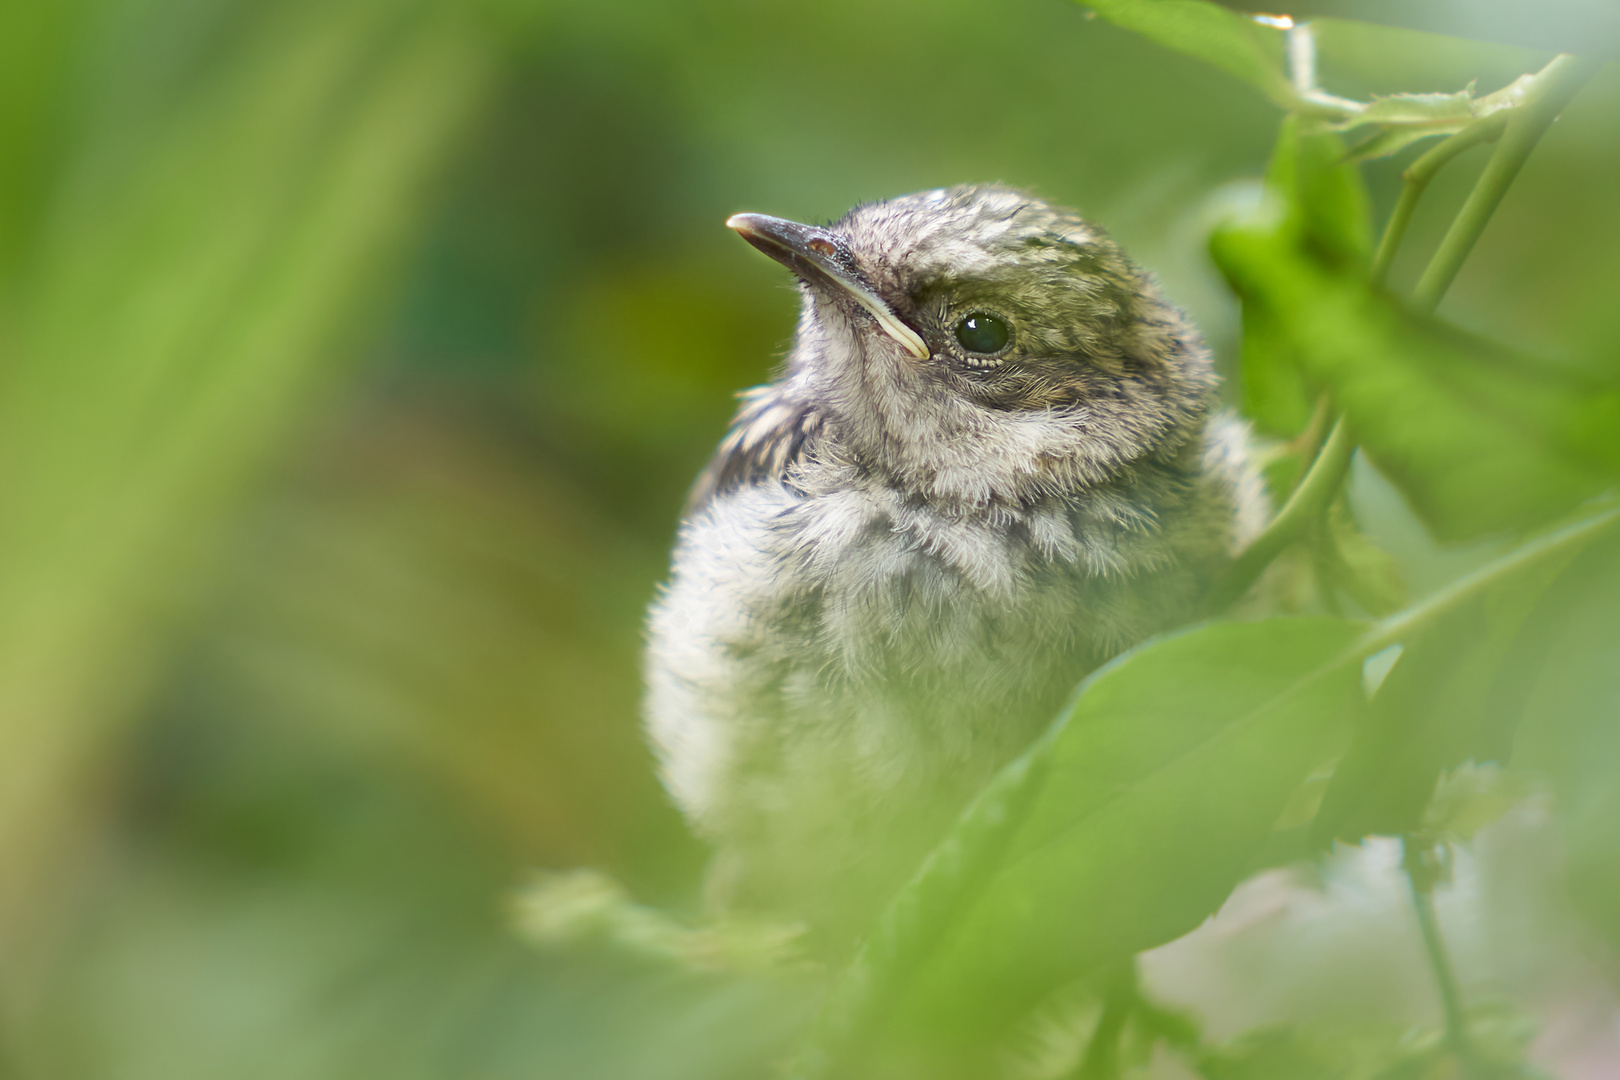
[981, 333]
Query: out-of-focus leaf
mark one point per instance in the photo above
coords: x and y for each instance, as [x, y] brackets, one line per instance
[1567, 675]
[923, 911]
[1478, 439]
[1155, 792]
[586, 907]
[1324, 199]
[39, 54]
[1438, 707]
[1322, 203]
[1274, 393]
[1467, 799]
[1144, 804]
[1395, 139]
[187, 293]
[1234, 43]
[1369, 574]
[1411, 731]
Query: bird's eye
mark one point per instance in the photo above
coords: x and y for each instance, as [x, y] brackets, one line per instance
[981, 333]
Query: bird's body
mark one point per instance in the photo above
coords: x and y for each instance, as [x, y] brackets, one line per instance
[907, 553]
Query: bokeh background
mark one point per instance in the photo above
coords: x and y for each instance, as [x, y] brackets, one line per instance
[354, 359]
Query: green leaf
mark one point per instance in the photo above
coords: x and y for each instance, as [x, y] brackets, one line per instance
[1567, 678]
[1370, 575]
[1467, 799]
[1479, 440]
[1420, 722]
[1234, 43]
[1422, 110]
[1273, 394]
[1320, 202]
[1324, 198]
[1140, 808]
[920, 915]
[190, 291]
[559, 909]
[1441, 704]
[1158, 789]
[1393, 140]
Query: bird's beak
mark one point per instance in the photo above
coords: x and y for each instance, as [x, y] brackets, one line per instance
[819, 255]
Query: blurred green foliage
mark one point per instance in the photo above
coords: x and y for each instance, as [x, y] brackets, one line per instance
[354, 358]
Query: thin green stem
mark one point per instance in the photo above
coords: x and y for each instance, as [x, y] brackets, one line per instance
[1309, 499]
[1395, 230]
[1308, 444]
[1421, 877]
[1545, 97]
[1101, 1061]
[1403, 626]
[1415, 181]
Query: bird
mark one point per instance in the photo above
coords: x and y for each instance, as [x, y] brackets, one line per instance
[993, 458]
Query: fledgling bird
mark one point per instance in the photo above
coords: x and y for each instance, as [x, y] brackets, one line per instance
[991, 461]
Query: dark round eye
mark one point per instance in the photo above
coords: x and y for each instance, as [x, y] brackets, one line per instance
[981, 333]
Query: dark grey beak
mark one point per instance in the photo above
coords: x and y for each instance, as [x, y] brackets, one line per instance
[820, 255]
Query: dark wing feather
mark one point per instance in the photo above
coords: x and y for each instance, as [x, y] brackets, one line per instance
[771, 432]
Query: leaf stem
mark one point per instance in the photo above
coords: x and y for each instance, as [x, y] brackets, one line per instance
[1309, 499]
[1101, 1061]
[1308, 443]
[1544, 98]
[1420, 875]
[1415, 181]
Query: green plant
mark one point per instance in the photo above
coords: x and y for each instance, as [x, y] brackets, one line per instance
[1162, 787]
[172, 304]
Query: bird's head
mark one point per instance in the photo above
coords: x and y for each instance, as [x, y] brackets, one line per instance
[981, 345]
